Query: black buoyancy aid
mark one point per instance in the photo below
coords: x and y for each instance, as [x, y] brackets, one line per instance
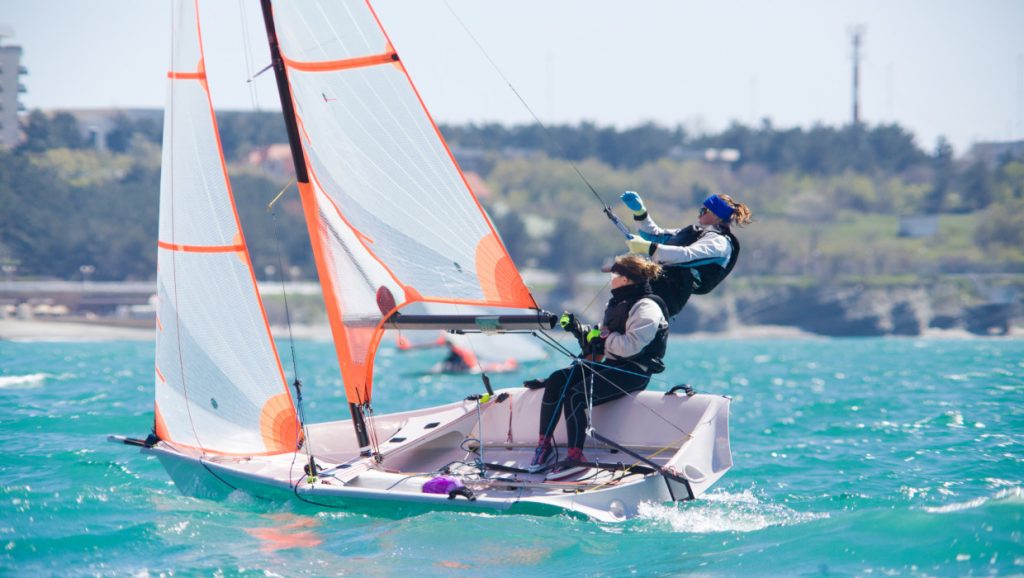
[651, 357]
[711, 275]
[678, 282]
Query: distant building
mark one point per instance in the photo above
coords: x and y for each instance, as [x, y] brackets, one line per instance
[992, 153]
[10, 87]
[96, 123]
[276, 160]
[679, 153]
[477, 184]
[917, 226]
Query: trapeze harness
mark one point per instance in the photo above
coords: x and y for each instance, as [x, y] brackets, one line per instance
[677, 282]
[650, 359]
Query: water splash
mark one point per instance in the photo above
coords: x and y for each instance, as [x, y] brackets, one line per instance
[1014, 495]
[725, 512]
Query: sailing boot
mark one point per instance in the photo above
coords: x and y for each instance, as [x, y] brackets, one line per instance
[573, 464]
[544, 456]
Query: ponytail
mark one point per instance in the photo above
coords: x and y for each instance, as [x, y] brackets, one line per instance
[741, 214]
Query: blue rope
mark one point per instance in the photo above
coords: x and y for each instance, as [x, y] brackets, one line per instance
[558, 404]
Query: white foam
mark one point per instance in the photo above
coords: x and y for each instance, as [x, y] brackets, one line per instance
[1014, 494]
[23, 381]
[724, 512]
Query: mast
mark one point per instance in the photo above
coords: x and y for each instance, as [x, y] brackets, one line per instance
[302, 176]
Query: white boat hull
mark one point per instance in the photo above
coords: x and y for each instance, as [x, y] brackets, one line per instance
[688, 436]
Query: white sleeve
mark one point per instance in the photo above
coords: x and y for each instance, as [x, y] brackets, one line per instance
[642, 325]
[711, 248]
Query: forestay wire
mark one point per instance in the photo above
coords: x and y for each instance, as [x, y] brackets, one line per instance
[547, 133]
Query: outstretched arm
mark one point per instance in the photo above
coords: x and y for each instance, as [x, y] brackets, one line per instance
[708, 249]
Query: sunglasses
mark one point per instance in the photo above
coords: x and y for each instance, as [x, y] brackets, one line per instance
[703, 211]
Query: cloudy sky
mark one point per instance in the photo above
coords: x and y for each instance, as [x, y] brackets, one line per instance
[938, 67]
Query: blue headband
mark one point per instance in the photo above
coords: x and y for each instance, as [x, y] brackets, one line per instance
[719, 207]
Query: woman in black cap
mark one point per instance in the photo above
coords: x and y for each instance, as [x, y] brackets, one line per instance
[631, 338]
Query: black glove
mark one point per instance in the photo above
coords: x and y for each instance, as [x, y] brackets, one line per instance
[593, 342]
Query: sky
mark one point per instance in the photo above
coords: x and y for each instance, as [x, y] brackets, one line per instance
[952, 68]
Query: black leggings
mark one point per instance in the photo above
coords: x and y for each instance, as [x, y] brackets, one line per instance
[565, 388]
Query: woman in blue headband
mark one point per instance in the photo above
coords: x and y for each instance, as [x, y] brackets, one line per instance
[695, 258]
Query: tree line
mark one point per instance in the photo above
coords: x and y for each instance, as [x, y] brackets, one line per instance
[66, 203]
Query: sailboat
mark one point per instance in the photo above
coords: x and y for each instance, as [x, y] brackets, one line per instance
[392, 222]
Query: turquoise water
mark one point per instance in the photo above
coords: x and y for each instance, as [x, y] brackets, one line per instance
[852, 458]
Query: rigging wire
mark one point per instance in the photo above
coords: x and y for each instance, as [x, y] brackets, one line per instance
[247, 50]
[311, 467]
[547, 133]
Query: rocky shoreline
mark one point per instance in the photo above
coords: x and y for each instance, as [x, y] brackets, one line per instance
[853, 311]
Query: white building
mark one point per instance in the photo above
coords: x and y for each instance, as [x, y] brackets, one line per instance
[10, 87]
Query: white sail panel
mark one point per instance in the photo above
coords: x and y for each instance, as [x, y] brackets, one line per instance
[379, 169]
[327, 30]
[375, 152]
[197, 209]
[219, 384]
[217, 369]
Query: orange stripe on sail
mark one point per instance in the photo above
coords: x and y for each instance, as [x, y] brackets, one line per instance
[201, 248]
[344, 64]
[201, 75]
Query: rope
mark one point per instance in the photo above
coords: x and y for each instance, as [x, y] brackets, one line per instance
[628, 394]
[247, 50]
[547, 133]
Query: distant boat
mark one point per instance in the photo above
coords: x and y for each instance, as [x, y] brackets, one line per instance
[392, 222]
[471, 353]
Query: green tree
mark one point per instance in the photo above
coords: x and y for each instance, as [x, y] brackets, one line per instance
[976, 186]
[942, 176]
[513, 233]
[124, 130]
[43, 132]
[1002, 226]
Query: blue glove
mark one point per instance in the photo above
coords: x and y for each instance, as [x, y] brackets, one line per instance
[634, 202]
[638, 245]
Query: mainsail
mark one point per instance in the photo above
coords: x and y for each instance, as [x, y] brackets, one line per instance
[219, 382]
[391, 217]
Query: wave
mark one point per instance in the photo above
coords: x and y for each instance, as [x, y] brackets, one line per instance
[1014, 495]
[725, 512]
[23, 381]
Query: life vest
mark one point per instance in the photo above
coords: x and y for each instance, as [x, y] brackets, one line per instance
[651, 358]
[677, 282]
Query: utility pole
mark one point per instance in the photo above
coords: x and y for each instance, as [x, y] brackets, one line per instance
[856, 34]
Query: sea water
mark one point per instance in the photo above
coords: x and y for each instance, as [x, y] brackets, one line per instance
[853, 457]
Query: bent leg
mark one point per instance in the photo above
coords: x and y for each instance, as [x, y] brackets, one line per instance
[609, 383]
[555, 388]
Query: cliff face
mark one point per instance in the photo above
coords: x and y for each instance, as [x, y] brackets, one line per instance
[844, 311]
